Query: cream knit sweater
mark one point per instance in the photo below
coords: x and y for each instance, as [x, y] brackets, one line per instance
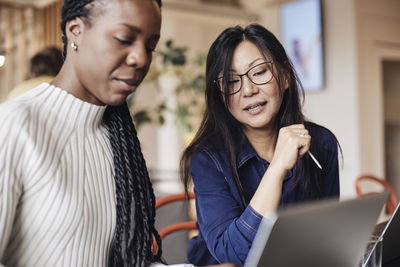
[57, 204]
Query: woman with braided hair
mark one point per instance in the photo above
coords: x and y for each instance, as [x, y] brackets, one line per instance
[74, 188]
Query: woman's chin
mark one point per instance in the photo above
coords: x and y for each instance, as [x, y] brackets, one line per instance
[116, 100]
[258, 125]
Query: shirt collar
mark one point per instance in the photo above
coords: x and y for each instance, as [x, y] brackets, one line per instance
[246, 152]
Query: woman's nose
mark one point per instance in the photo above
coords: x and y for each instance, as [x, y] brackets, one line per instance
[248, 87]
[137, 57]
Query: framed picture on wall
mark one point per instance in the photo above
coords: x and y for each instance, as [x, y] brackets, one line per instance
[302, 32]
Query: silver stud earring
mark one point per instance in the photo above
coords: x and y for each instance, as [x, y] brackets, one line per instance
[74, 46]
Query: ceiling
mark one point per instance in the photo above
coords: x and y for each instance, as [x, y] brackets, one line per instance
[40, 3]
[45, 2]
[37, 3]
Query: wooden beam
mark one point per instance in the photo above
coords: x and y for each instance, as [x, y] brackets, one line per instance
[9, 66]
[22, 47]
[15, 5]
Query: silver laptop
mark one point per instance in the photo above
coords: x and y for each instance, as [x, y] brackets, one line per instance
[328, 233]
[391, 239]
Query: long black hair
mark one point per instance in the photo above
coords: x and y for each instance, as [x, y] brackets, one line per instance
[135, 201]
[219, 124]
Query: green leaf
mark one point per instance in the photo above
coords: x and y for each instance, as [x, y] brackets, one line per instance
[161, 107]
[140, 117]
[161, 120]
[172, 55]
[198, 83]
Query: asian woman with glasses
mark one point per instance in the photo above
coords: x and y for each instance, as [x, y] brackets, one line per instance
[252, 152]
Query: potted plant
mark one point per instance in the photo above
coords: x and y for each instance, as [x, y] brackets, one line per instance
[185, 80]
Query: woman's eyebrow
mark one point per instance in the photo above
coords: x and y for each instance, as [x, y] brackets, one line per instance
[135, 29]
[251, 63]
[132, 28]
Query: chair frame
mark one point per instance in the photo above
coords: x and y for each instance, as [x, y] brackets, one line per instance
[188, 225]
[391, 203]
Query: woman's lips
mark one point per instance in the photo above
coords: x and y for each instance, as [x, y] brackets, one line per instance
[128, 84]
[255, 108]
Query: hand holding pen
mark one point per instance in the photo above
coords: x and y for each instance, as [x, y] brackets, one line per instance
[303, 134]
[293, 142]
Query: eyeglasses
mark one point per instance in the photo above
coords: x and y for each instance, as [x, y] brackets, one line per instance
[259, 74]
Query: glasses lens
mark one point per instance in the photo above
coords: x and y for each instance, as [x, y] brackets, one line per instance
[232, 85]
[260, 74]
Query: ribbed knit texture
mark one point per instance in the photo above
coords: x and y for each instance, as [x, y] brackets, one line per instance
[57, 200]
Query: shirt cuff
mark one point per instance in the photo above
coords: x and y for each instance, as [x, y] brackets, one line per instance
[250, 220]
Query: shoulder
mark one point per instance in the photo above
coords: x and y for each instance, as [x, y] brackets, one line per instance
[208, 168]
[13, 115]
[13, 136]
[209, 152]
[210, 143]
[27, 85]
[20, 114]
[14, 132]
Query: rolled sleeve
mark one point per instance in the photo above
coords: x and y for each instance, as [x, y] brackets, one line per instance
[249, 222]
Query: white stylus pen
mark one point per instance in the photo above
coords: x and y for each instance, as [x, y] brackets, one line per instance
[314, 159]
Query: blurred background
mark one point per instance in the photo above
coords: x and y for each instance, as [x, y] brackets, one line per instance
[358, 99]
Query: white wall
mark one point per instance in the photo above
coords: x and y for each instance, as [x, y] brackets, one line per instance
[336, 107]
[378, 24]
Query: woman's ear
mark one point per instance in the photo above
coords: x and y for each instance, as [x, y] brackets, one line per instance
[73, 30]
[285, 83]
[286, 77]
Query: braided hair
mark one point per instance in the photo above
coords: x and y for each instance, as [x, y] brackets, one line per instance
[135, 201]
[135, 217]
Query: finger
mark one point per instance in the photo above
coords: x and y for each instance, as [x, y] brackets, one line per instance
[303, 150]
[297, 126]
[304, 133]
[304, 145]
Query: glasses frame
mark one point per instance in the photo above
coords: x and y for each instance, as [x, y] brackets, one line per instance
[270, 63]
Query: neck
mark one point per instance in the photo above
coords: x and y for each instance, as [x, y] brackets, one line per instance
[263, 141]
[68, 80]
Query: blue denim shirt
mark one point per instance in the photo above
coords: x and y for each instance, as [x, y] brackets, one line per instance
[227, 227]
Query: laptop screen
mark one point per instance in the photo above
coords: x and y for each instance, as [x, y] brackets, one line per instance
[325, 233]
[391, 238]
